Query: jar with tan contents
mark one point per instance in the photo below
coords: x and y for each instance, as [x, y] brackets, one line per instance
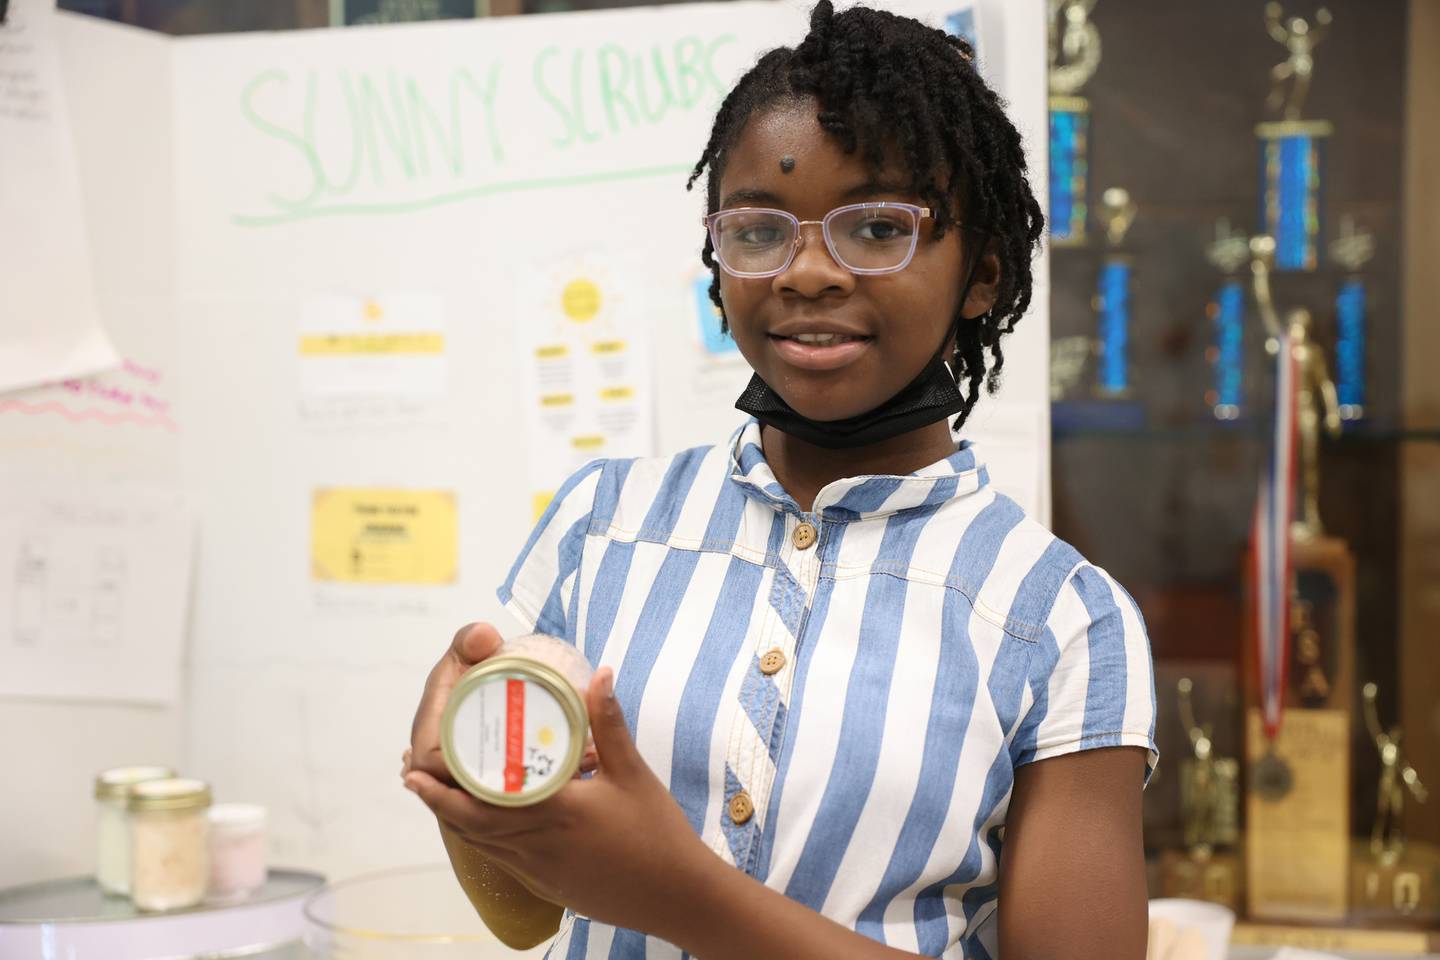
[515, 727]
[168, 840]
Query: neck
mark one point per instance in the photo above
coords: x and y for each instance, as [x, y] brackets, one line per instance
[805, 469]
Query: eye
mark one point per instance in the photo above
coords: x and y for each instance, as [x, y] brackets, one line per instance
[881, 229]
[758, 234]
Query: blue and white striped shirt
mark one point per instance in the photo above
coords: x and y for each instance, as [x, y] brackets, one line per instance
[864, 677]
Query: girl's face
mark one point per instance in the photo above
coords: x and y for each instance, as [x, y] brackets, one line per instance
[900, 318]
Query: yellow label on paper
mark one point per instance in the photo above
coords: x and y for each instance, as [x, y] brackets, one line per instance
[608, 346]
[552, 351]
[370, 344]
[588, 442]
[617, 393]
[580, 299]
[539, 501]
[384, 536]
[557, 399]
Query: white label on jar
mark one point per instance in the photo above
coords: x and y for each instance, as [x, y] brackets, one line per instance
[511, 735]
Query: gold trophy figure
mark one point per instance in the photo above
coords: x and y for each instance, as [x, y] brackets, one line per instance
[1317, 403]
[1387, 838]
[1396, 879]
[1210, 816]
[1300, 39]
[1074, 48]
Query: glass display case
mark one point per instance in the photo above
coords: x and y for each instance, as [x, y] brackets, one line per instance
[1240, 312]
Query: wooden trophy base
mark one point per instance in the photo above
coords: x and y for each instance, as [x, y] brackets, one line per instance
[1403, 893]
[1218, 877]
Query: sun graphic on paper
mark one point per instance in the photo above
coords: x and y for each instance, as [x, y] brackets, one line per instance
[546, 736]
[581, 299]
[373, 311]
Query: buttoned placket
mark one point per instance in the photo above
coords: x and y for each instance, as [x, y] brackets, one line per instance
[803, 565]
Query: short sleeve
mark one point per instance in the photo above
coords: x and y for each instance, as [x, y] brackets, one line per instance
[541, 586]
[1092, 683]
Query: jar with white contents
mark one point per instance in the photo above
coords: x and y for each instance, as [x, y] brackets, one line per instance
[168, 836]
[515, 728]
[112, 833]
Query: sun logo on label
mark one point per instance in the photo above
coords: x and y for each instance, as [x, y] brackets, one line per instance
[546, 736]
[580, 300]
[373, 312]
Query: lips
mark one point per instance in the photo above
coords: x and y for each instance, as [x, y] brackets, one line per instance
[819, 350]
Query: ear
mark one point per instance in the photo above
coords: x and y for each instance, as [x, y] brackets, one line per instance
[984, 284]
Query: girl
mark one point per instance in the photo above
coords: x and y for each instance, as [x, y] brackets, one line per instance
[851, 701]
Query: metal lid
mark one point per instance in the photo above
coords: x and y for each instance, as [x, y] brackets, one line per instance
[175, 794]
[546, 678]
[115, 784]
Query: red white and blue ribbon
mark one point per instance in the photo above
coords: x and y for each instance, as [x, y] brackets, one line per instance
[1270, 544]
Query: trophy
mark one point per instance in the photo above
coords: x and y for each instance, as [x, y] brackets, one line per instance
[1297, 849]
[1317, 405]
[1208, 868]
[1074, 55]
[1229, 251]
[1395, 879]
[1112, 299]
[1291, 154]
[1352, 250]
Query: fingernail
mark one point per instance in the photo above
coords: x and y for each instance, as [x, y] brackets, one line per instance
[610, 685]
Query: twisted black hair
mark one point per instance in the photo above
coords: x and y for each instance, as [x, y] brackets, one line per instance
[886, 80]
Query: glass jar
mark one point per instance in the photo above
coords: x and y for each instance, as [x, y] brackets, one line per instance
[112, 828]
[237, 851]
[515, 727]
[169, 857]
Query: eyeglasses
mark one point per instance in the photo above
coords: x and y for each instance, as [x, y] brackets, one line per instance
[864, 238]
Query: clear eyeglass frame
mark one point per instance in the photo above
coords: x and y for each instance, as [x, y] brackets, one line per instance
[916, 213]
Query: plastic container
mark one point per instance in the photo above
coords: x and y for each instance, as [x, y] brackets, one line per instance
[112, 828]
[237, 852]
[1190, 929]
[169, 852]
[515, 727]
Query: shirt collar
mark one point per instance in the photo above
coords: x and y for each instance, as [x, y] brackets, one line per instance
[858, 498]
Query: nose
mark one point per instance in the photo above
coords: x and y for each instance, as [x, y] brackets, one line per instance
[813, 272]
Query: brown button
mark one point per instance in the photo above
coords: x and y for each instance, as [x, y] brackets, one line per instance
[742, 808]
[804, 537]
[772, 662]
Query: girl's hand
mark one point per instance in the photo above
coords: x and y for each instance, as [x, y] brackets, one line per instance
[616, 847]
[471, 644]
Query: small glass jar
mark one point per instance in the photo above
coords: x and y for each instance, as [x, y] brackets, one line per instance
[168, 843]
[237, 851]
[112, 828]
[515, 727]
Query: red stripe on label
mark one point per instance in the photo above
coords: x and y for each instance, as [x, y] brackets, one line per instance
[514, 736]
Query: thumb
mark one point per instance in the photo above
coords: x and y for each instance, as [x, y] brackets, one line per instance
[474, 643]
[618, 756]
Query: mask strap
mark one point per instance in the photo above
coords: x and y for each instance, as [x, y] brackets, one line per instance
[954, 330]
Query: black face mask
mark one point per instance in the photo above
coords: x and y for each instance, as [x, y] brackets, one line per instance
[929, 397]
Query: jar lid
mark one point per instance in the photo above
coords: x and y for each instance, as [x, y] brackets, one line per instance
[115, 784]
[165, 795]
[236, 816]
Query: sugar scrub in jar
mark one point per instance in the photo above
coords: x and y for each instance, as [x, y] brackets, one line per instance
[112, 789]
[515, 727]
[237, 851]
[169, 857]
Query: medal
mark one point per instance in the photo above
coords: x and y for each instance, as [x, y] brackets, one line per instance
[1272, 777]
